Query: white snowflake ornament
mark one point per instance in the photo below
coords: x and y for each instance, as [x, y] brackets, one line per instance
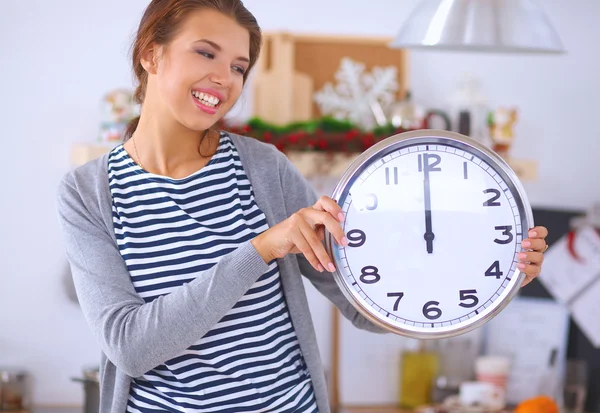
[353, 96]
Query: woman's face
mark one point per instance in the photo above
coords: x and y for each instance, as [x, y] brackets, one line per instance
[200, 75]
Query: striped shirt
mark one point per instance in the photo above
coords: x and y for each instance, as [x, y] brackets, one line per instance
[170, 231]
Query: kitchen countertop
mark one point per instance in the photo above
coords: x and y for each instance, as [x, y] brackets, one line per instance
[58, 409]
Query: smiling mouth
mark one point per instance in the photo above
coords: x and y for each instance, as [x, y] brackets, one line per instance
[206, 99]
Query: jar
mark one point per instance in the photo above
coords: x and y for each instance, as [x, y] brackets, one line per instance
[14, 390]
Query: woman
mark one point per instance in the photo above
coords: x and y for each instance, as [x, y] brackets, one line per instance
[185, 249]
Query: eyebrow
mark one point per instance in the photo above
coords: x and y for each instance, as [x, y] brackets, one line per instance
[219, 48]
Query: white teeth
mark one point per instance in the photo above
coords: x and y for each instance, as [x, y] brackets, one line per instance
[206, 99]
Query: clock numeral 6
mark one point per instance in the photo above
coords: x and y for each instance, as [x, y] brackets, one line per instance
[399, 297]
[430, 311]
[494, 270]
[356, 238]
[506, 231]
[370, 274]
[468, 295]
[493, 201]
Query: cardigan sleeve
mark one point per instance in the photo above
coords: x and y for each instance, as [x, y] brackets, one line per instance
[137, 336]
[300, 194]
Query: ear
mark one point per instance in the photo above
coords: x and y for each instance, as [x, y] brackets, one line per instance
[149, 59]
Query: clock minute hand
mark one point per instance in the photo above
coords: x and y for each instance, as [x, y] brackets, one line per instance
[429, 235]
[424, 164]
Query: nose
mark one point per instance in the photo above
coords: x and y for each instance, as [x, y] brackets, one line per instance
[221, 75]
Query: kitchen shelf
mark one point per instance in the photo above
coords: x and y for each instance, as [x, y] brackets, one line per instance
[308, 163]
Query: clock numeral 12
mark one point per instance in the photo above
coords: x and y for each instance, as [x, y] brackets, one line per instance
[424, 159]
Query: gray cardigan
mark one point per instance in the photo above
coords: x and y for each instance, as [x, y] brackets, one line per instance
[135, 336]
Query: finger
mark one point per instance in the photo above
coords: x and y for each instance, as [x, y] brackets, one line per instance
[329, 205]
[314, 218]
[529, 277]
[534, 244]
[531, 257]
[321, 232]
[527, 280]
[316, 246]
[538, 232]
[531, 270]
[300, 241]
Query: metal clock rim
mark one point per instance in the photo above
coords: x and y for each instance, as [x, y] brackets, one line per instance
[388, 144]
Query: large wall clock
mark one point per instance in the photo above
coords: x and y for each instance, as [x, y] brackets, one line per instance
[434, 221]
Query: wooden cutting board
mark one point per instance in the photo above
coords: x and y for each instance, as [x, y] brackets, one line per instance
[275, 78]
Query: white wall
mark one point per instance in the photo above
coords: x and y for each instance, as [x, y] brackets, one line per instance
[59, 57]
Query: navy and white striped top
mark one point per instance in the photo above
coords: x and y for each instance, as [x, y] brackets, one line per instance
[170, 231]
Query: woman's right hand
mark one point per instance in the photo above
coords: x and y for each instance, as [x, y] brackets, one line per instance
[304, 232]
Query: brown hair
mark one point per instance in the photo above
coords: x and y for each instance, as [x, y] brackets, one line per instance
[161, 22]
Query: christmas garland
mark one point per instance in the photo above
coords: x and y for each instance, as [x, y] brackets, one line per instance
[325, 134]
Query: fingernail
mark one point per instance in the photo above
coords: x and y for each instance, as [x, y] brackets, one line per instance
[533, 234]
[320, 268]
[344, 241]
[521, 265]
[331, 266]
[526, 244]
[522, 255]
[341, 216]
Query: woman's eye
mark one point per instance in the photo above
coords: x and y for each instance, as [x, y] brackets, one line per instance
[241, 70]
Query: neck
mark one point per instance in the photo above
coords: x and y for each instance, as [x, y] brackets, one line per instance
[168, 147]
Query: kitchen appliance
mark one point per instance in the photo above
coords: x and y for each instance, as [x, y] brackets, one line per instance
[91, 388]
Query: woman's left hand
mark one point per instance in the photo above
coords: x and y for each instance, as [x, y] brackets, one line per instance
[532, 256]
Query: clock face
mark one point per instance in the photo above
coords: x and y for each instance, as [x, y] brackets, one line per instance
[434, 227]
